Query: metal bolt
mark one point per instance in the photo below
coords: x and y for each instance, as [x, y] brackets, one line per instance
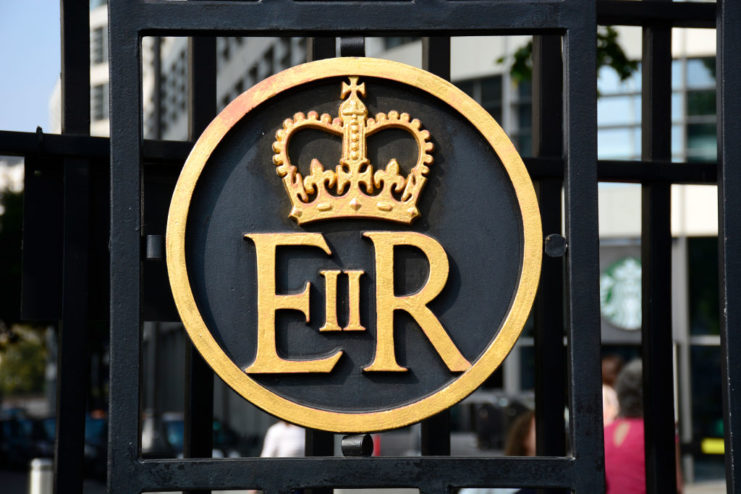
[357, 445]
[555, 245]
[155, 252]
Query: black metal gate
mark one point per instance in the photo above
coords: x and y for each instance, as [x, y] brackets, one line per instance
[565, 144]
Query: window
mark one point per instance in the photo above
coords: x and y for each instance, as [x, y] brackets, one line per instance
[701, 72]
[99, 102]
[98, 46]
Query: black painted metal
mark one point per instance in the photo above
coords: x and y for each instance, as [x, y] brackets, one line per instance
[320, 443]
[352, 46]
[320, 47]
[199, 377]
[656, 13]
[125, 254]
[656, 260]
[550, 375]
[427, 473]
[357, 445]
[729, 229]
[343, 18]
[41, 285]
[436, 55]
[582, 259]
[435, 431]
[72, 367]
[435, 435]
[173, 153]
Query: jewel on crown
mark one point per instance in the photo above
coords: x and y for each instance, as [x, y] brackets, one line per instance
[353, 189]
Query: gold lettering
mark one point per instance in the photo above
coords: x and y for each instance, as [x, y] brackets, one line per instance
[330, 293]
[353, 323]
[414, 304]
[267, 359]
[331, 324]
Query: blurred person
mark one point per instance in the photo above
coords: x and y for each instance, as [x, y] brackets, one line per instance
[625, 462]
[284, 440]
[521, 436]
[611, 365]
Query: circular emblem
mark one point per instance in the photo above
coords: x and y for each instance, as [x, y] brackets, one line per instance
[354, 245]
[620, 294]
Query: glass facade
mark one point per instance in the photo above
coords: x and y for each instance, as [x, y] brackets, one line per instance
[693, 112]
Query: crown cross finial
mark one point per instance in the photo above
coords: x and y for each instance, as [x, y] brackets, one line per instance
[359, 190]
[352, 88]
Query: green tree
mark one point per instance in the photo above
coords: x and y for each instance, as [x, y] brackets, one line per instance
[609, 54]
[23, 363]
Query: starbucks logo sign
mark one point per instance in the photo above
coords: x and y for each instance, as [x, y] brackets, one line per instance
[620, 293]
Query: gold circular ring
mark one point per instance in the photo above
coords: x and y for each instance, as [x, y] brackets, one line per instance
[409, 413]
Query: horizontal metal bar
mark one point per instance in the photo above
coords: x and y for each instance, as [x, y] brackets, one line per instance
[631, 171]
[81, 146]
[287, 17]
[652, 171]
[274, 473]
[61, 145]
[385, 17]
[647, 13]
[175, 152]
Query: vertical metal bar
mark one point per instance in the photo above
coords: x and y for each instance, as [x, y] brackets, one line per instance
[199, 388]
[72, 360]
[657, 351]
[435, 431]
[319, 48]
[319, 443]
[550, 353]
[729, 228]
[582, 262]
[436, 55]
[125, 250]
[681, 323]
[352, 46]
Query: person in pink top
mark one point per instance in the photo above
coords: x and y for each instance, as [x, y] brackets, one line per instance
[625, 461]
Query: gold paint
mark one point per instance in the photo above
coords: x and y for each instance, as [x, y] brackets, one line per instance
[353, 286]
[414, 304]
[330, 294]
[393, 198]
[353, 323]
[508, 330]
[267, 359]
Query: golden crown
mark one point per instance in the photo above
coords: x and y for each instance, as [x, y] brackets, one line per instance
[387, 194]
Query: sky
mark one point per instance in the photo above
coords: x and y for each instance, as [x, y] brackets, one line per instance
[29, 62]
